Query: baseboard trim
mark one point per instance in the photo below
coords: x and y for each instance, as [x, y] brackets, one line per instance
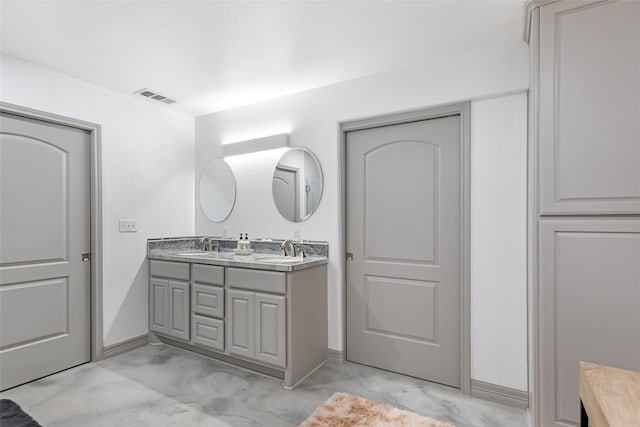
[500, 394]
[125, 346]
[335, 355]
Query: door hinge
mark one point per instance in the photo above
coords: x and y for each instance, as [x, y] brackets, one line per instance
[86, 256]
[349, 256]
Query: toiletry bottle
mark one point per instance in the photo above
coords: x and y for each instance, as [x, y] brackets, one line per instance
[247, 242]
[240, 243]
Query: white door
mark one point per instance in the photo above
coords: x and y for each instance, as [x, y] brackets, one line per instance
[285, 191]
[45, 228]
[403, 219]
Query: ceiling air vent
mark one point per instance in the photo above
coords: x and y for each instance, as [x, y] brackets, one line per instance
[147, 93]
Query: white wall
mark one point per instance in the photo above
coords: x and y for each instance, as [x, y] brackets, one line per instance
[498, 241]
[148, 175]
[313, 120]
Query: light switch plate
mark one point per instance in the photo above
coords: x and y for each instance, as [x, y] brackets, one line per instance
[128, 225]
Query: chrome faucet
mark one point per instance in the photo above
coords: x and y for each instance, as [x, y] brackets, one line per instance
[287, 248]
[207, 244]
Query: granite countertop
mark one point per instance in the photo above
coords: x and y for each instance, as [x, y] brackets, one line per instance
[257, 260]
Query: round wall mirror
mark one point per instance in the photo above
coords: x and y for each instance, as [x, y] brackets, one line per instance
[297, 184]
[217, 190]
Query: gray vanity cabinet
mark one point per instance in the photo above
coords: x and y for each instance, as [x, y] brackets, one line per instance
[169, 299]
[257, 320]
[273, 322]
[207, 306]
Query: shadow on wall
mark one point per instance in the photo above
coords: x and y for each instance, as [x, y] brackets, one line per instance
[131, 321]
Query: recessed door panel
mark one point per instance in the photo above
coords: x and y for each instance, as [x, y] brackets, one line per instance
[401, 201]
[416, 299]
[34, 216]
[18, 304]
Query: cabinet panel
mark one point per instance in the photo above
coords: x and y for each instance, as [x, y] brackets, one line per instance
[169, 269]
[209, 274]
[589, 108]
[257, 280]
[159, 305]
[179, 310]
[270, 331]
[207, 332]
[240, 327]
[589, 295]
[207, 300]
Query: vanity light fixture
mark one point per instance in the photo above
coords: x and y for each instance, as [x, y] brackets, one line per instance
[254, 145]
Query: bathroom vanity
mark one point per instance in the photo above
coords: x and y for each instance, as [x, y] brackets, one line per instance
[263, 311]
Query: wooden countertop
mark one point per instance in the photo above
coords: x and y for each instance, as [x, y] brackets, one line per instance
[611, 396]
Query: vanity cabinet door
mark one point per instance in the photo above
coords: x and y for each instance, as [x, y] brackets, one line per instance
[207, 332]
[240, 327]
[269, 329]
[207, 300]
[588, 108]
[589, 294]
[179, 310]
[159, 306]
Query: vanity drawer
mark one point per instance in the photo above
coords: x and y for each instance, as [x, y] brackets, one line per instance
[207, 332]
[207, 300]
[258, 280]
[169, 269]
[207, 274]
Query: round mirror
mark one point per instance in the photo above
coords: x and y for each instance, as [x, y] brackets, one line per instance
[217, 190]
[297, 184]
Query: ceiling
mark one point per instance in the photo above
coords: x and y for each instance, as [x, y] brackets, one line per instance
[216, 55]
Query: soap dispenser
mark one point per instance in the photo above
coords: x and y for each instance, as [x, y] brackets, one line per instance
[240, 246]
[247, 242]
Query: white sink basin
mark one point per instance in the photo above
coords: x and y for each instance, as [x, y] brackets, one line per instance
[205, 254]
[198, 253]
[278, 259]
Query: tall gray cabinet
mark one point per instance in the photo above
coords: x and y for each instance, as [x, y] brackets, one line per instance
[585, 196]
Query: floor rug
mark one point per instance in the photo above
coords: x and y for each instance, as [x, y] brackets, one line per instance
[12, 415]
[347, 410]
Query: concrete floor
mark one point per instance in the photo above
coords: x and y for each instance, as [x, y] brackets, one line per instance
[162, 386]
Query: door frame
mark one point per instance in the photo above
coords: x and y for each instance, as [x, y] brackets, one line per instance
[462, 109]
[96, 340]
